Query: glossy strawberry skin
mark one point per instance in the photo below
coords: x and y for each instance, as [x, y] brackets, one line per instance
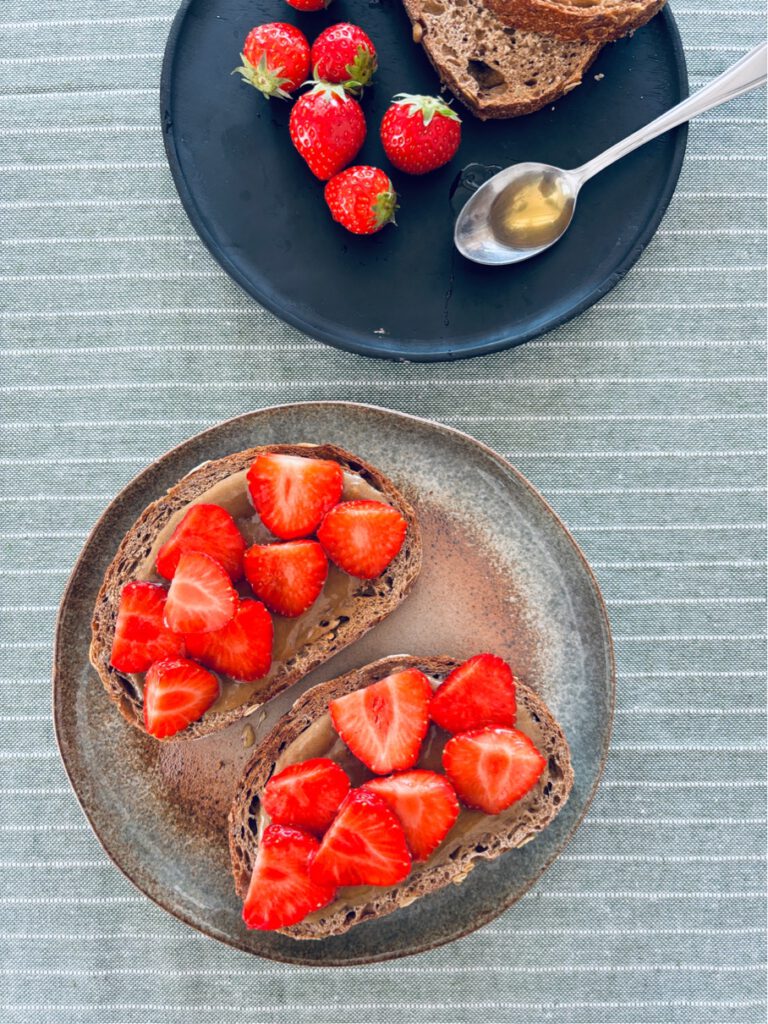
[424, 803]
[292, 494]
[479, 692]
[281, 892]
[491, 768]
[361, 199]
[385, 723]
[365, 845]
[362, 537]
[242, 649]
[306, 795]
[309, 5]
[275, 59]
[287, 577]
[344, 54]
[201, 598]
[141, 635]
[209, 529]
[327, 127]
[177, 692]
[420, 133]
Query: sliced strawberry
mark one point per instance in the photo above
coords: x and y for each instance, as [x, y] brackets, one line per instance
[307, 794]
[141, 635]
[365, 845]
[292, 493]
[209, 529]
[177, 691]
[425, 804]
[479, 692]
[287, 577]
[242, 649]
[201, 598]
[492, 767]
[281, 892]
[362, 537]
[384, 723]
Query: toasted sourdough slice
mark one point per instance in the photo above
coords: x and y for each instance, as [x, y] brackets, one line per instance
[371, 600]
[490, 835]
[495, 70]
[593, 21]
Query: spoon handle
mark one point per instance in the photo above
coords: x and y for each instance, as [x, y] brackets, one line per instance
[746, 74]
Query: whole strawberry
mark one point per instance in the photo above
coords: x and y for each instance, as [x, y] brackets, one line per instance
[275, 59]
[309, 5]
[420, 133]
[327, 128]
[361, 199]
[343, 53]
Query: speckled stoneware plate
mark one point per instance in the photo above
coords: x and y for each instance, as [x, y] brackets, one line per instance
[500, 573]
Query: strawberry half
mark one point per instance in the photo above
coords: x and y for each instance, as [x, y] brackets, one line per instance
[362, 537]
[307, 794]
[365, 845]
[201, 598]
[492, 767]
[292, 494]
[281, 892]
[242, 649]
[209, 529]
[425, 804]
[287, 577]
[177, 691]
[384, 723]
[479, 692]
[141, 635]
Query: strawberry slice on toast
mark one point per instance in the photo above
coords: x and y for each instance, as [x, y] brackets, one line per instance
[242, 649]
[425, 805]
[177, 692]
[479, 692]
[491, 768]
[201, 598]
[307, 794]
[292, 494]
[209, 529]
[141, 635]
[287, 577]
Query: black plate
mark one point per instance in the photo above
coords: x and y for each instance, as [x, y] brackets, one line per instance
[406, 293]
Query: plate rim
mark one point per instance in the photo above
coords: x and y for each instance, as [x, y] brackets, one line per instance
[57, 671]
[348, 340]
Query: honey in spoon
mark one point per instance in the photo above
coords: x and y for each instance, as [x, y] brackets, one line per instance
[532, 210]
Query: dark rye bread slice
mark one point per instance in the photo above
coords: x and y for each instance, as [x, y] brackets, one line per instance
[495, 70]
[594, 21]
[372, 600]
[455, 857]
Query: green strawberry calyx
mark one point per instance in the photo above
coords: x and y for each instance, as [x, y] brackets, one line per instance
[261, 76]
[384, 206]
[327, 90]
[361, 70]
[427, 106]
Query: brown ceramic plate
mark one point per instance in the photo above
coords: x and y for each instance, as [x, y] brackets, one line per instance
[500, 573]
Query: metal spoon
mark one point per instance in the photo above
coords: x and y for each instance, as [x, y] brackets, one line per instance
[525, 208]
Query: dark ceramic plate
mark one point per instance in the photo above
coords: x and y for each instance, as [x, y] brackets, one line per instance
[406, 293]
[500, 573]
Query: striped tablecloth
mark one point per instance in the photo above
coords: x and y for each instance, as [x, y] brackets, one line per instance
[642, 422]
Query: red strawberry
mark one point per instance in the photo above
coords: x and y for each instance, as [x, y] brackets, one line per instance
[201, 598]
[309, 5]
[345, 55]
[479, 692]
[384, 723]
[242, 649]
[141, 635]
[176, 692]
[327, 128]
[362, 537]
[292, 494]
[275, 59]
[365, 845]
[361, 199]
[281, 892]
[287, 577]
[492, 767]
[425, 804]
[420, 133]
[207, 528]
[307, 794]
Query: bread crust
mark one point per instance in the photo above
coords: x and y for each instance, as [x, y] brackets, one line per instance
[372, 601]
[602, 22]
[551, 795]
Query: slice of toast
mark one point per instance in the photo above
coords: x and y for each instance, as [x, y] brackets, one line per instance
[370, 602]
[495, 70]
[593, 21]
[490, 835]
